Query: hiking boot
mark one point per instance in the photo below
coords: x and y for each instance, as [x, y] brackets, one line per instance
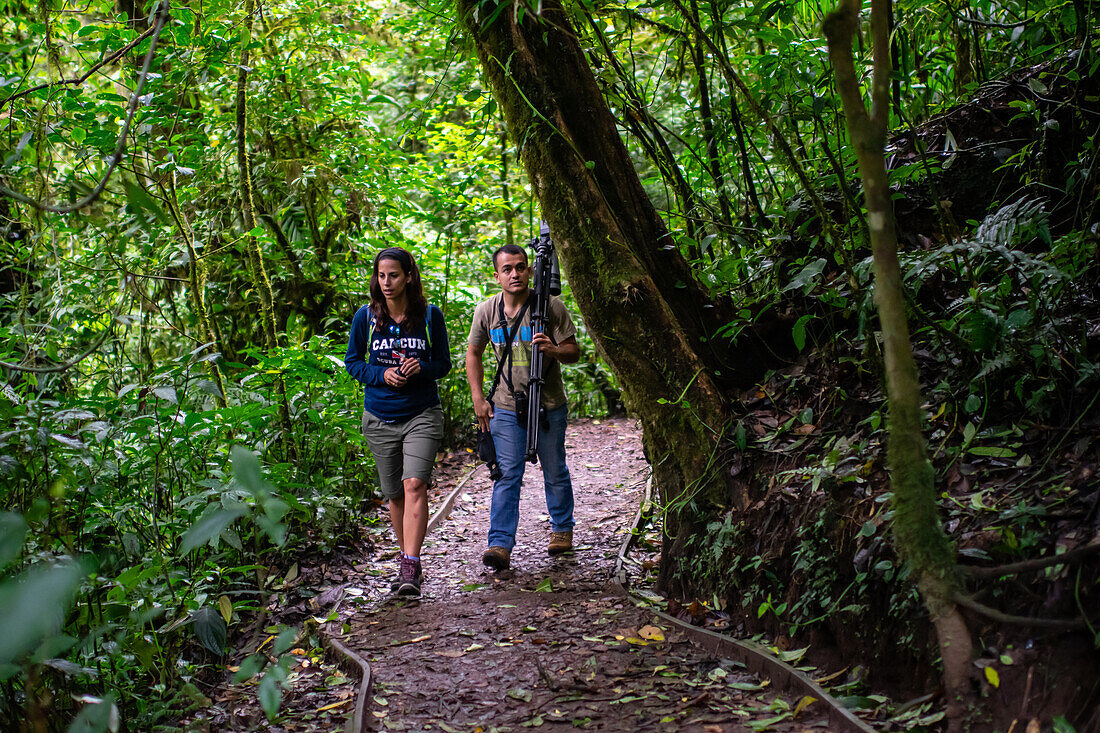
[408, 580]
[560, 542]
[396, 583]
[498, 558]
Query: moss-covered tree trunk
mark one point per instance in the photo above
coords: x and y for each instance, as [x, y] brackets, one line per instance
[260, 279]
[649, 318]
[918, 533]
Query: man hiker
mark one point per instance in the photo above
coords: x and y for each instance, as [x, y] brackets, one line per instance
[505, 321]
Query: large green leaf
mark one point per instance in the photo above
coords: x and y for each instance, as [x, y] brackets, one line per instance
[210, 629]
[12, 531]
[33, 606]
[97, 716]
[214, 520]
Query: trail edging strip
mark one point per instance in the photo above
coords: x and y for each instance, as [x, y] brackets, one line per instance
[754, 656]
[359, 721]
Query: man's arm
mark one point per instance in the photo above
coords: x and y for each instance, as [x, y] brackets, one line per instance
[568, 351]
[475, 376]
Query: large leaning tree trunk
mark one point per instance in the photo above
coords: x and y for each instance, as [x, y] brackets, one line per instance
[650, 319]
[918, 533]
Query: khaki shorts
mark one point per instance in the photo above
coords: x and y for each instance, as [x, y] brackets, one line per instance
[405, 449]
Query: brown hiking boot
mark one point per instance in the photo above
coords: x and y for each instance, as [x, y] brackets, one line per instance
[498, 558]
[560, 542]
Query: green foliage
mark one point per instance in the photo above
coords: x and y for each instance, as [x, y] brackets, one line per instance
[149, 501]
[160, 463]
[1011, 323]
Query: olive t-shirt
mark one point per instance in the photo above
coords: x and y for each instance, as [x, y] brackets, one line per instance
[486, 329]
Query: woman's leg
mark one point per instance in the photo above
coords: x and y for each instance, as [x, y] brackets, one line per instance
[414, 517]
[397, 521]
[385, 442]
[422, 437]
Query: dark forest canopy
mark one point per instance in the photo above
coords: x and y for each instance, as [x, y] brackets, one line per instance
[174, 409]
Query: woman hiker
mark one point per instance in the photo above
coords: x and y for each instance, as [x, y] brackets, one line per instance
[398, 350]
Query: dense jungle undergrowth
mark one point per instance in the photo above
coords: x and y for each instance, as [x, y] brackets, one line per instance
[190, 199]
[1005, 323]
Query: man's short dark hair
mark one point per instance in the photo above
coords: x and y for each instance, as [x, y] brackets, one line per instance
[509, 249]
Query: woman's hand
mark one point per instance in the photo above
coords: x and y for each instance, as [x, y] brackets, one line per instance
[393, 377]
[409, 366]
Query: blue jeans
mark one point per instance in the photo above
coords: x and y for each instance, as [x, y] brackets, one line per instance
[510, 439]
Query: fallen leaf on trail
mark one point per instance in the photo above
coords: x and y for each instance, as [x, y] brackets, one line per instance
[695, 608]
[805, 702]
[451, 653]
[291, 574]
[768, 722]
[332, 706]
[593, 465]
[992, 676]
[712, 729]
[411, 641]
[792, 655]
[651, 632]
[474, 647]
[830, 677]
[518, 693]
[545, 586]
[378, 713]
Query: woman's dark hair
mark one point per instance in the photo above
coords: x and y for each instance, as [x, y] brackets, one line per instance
[417, 307]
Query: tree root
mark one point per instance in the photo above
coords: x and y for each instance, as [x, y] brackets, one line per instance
[971, 604]
[1029, 566]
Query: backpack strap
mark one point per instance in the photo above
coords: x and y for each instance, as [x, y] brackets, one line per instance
[506, 355]
[428, 327]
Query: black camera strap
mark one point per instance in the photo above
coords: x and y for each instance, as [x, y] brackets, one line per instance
[506, 355]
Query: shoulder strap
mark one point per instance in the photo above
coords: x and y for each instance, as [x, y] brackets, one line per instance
[506, 355]
[428, 326]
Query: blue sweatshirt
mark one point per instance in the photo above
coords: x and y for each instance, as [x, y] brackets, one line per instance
[373, 350]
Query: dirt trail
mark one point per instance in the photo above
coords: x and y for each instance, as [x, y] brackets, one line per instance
[548, 644]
